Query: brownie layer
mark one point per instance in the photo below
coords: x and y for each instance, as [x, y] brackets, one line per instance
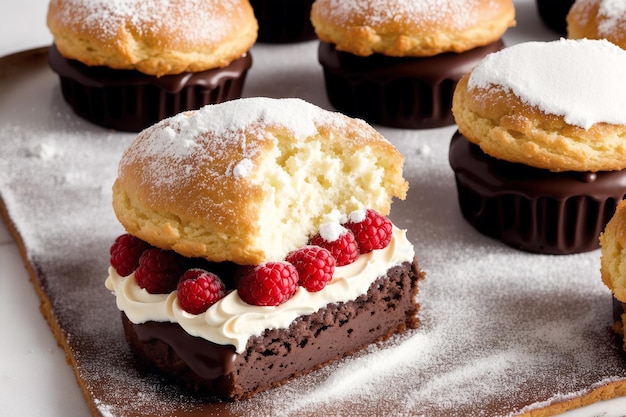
[404, 92]
[283, 21]
[532, 209]
[278, 355]
[131, 101]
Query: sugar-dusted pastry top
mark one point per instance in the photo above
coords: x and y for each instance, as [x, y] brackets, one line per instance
[250, 180]
[598, 19]
[613, 249]
[411, 28]
[154, 37]
[552, 105]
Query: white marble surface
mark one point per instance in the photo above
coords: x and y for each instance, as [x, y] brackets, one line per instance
[35, 380]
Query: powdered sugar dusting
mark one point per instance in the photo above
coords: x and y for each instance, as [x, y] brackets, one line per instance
[581, 80]
[106, 18]
[419, 12]
[217, 128]
[242, 169]
[331, 231]
[614, 14]
[357, 216]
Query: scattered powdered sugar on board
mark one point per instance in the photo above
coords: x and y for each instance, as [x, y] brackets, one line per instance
[582, 80]
[501, 332]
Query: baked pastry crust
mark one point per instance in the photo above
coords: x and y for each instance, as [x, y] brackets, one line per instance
[156, 38]
[231, 190]
[613, 253]
[586, 20]
[423, 28]
[507, 128]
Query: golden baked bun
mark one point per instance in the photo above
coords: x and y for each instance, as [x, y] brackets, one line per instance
[411, 28]
[153, 37]
[251, 179]
[613, 249]
[597, 19]
[550, 105]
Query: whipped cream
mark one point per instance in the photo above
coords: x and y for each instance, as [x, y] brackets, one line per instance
[231, 321]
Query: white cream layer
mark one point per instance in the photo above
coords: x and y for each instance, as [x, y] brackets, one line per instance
[231, 321]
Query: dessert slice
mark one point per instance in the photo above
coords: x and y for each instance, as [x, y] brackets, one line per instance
[258, 246]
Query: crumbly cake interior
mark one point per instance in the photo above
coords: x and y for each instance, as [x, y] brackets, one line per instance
[251, 176]
[502, 332]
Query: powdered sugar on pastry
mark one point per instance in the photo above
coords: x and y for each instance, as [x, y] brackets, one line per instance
[614, 13]
[417, 12]
[411, 28]
[105, 17]
[154, 37]
[551, 80]
[610, 16]
[244, 167]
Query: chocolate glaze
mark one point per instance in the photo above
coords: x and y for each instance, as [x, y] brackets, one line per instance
[404, 92]
[553, 14]
[131, 101]
[283, 21]
[279, 355]
[532, 209]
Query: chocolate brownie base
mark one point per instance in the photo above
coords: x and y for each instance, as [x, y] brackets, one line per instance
[403, 92]
[131, 101]
[284, 21]
[278, 355]
[532, 209]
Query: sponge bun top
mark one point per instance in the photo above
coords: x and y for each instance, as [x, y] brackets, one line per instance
[153, 37]
[251, 179]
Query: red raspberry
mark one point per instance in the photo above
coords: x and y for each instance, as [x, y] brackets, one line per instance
[159, 271]
[373, 232]
[268, 284]
[199, 289]
[344, 249]
[125, 253]
[315, 266]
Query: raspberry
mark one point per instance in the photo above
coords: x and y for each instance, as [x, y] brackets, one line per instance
[199, 289]
[315, 266]
[159, 271]
[268, 284]
[125, 253]
[344, 248]
[371, 232]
